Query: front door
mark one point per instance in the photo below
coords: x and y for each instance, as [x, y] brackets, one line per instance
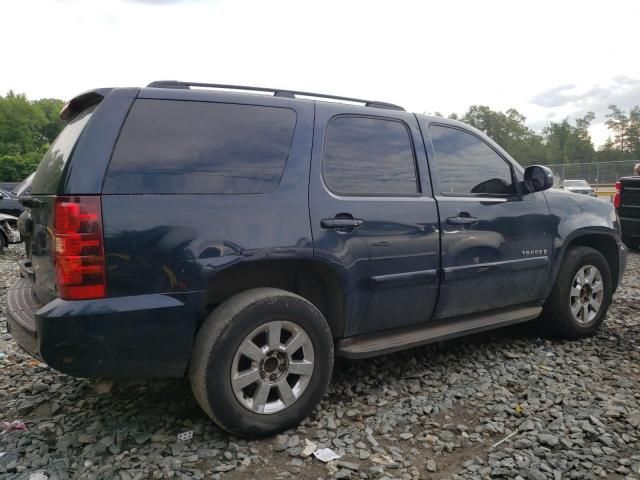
[496, 240]
[372, 215]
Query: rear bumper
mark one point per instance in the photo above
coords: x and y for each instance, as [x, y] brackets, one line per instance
[21, 308]
[144, 336]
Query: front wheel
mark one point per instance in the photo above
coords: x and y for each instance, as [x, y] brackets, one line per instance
[261, 362]
[581, 295]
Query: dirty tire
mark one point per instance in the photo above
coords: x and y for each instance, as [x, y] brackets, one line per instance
[3, 242]
[218, 342]
[557, 318]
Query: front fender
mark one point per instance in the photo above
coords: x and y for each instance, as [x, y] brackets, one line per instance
[578, 219]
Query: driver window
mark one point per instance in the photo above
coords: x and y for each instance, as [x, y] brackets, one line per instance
[467, 165]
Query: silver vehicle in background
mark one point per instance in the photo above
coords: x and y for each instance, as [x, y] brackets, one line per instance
[579, 186]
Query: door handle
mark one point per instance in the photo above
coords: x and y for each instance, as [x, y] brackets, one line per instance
[337, 223]
[462, 220]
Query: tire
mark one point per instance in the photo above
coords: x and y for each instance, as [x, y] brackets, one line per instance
[3, 242]
[246, 320]
[557, 316]
[631, 243]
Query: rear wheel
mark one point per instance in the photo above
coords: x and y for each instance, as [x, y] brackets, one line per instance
[581, 295]
[261, 362]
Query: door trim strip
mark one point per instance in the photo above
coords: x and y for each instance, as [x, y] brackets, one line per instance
[394, 278]
[463, 271]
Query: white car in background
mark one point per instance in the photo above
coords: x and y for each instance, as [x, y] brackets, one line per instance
[579, 186]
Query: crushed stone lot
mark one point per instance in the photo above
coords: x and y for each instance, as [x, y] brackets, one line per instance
[505, 404]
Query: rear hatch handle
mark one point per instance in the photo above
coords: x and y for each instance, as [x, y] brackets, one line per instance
[31, 202]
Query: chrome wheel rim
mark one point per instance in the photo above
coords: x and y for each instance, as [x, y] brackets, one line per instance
[272, 367]
[586, 294]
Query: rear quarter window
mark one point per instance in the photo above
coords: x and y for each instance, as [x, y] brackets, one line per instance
[186, 147]
[49, 173]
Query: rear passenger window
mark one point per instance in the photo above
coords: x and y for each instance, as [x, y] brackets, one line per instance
[467, 165]
[178, 147]
[369, 156]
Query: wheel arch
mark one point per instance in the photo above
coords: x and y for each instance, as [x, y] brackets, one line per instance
[313, 280]
[602, 240]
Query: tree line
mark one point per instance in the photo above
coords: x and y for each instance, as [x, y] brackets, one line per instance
[559, 142]
[27, 128]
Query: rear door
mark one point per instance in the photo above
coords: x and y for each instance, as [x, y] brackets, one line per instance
[496, 242]
[373, 216]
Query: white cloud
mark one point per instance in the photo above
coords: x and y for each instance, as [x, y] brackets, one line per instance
[427, 56]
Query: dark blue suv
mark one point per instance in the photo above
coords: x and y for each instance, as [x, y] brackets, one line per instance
[245, 239]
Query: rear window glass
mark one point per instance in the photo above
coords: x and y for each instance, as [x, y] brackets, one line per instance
[178, 147]
[52, 164]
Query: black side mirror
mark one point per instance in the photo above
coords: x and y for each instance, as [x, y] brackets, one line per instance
[538, 178]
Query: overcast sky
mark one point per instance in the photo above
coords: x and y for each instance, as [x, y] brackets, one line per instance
[548, 59]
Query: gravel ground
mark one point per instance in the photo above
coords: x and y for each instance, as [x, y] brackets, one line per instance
[559, 409]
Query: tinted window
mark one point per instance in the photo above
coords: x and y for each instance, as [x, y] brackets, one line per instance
[465, 164]
[369, 156]
[52, 164]
[200, 147]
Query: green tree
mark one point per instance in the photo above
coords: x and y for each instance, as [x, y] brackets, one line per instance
[26, 130]
[618, 123]
[608, 152]
[633, 132]
[51, 108]
[509, 130]
[567, 143]
[21, 124]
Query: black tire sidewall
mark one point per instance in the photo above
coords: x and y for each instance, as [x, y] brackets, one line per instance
[227, 411]
[558, 315]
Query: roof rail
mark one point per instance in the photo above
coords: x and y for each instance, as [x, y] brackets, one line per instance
[277, 92]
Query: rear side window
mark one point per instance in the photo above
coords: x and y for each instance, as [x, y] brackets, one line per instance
[369, 156]
[184, 147]
[467, 165]
[51, 166]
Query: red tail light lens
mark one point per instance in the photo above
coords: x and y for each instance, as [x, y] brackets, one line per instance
[616, 196]
[79, 252]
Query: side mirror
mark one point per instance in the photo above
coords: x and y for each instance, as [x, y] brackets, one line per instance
[538, 178]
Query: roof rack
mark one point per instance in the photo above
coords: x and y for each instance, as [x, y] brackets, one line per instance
[277, 92]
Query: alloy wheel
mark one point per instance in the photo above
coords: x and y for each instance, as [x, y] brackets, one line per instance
[272, 367]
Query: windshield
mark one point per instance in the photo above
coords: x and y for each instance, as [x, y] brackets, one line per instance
[576, 183]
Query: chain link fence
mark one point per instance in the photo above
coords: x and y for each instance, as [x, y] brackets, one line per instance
[598, 174]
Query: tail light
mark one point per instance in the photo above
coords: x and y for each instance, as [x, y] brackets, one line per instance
[616, 196]
[79, 252]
